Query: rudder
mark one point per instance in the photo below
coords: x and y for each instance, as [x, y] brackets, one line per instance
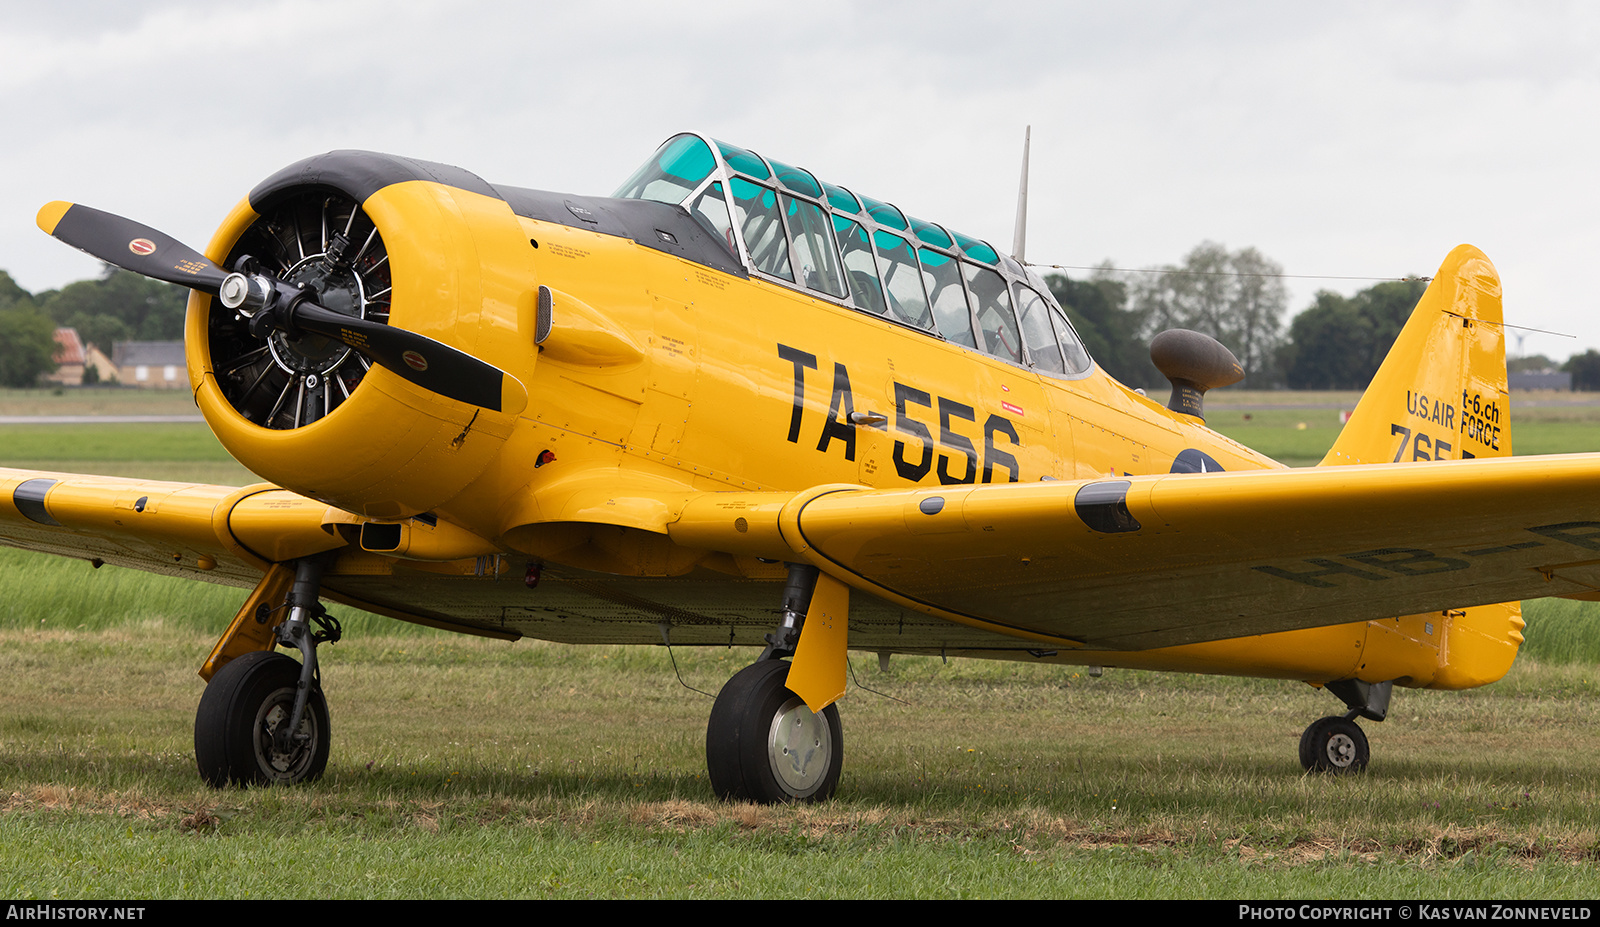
[1441, 393]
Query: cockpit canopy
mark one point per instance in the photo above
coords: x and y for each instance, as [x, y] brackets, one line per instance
[787, 226]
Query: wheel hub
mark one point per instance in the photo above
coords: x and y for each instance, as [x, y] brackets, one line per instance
[798, 748]
[285, 765]
[1341, 750]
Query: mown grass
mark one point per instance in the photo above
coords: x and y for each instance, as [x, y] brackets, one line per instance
[99, 400]
[181, 451]
[562, 771]
[472, 768]
[1298, 428]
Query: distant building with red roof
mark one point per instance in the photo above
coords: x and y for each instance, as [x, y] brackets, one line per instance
[73, 357]
[69, 359]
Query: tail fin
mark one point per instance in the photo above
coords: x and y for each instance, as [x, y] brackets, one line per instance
[1441, 393]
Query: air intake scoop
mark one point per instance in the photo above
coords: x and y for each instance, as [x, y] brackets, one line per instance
[1193, 363]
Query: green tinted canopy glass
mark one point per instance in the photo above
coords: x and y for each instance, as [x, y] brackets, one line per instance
[797, 179]
[884, 213]
[687, 158]
[745, 162]
[673, 173]
[976, 249]
[841, 199]
[931, 234]
[920, 273]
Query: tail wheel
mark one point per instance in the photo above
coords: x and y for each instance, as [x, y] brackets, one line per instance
[321, 239]
[764, 745]
[1334, 744]
[241, 711]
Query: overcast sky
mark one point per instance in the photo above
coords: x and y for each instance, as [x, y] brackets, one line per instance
[1357, 139]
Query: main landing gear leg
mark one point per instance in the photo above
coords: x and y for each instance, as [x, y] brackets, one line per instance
[763, 744]
[263, 719]
[1336, 744]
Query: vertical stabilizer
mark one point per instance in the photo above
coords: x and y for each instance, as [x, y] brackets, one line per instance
[1019, 238]
[1441, 393]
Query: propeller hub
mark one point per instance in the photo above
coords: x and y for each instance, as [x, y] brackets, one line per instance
[244, 294]
[235, 288]
[307, 250]
[333, 287]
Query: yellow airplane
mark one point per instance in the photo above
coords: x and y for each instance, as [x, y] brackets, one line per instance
[735, 404]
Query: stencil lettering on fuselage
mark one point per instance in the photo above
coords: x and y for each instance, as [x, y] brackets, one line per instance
[953, 457]
[1432, 425]
[1480, 419]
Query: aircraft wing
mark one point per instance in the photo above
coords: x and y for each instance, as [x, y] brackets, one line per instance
[1154, 561]
[1109, 564]
[216, 533]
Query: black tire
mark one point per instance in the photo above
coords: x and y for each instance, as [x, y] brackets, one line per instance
[245, 702]
[751, 749]
[1334, 745]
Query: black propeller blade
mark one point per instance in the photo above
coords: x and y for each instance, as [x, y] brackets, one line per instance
[131, 246]
[425, 362]
[429, 364]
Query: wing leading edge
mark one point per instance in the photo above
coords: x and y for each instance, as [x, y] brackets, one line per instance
[1159, 561]
[1114, 564]
[217, 533]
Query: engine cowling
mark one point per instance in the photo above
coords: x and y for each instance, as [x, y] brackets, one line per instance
[423, 246]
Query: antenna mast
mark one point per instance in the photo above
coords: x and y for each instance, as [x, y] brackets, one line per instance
[1019, 239]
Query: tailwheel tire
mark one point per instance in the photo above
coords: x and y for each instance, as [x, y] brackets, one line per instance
[240, 712]
[1334, 745]
[764, 745]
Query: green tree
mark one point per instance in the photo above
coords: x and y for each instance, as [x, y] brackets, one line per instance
[148, 309]
[1097, 308]
[1533, 363]
[27, 345]
[11, 294]
[1339, 342]
[1328, 346]
[1585, 370]
[1236, 297]
[102, 331]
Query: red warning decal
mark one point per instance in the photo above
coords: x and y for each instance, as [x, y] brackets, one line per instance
[415, 361]
[141, 246]
[1014, 410]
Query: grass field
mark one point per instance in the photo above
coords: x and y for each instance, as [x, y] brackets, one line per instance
[1270, 422]
[104, 400]
[470, 768]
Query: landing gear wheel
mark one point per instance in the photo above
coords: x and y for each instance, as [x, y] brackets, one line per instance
[1334, 744]
[239, 714]
[764, 745]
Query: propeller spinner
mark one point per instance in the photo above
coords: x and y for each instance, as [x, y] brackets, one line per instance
[275, 305]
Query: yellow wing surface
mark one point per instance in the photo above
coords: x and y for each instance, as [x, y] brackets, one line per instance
[1118, 564]
[220, 534]
[1145, 562]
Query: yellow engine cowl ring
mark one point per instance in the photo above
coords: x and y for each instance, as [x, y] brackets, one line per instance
[311, 416]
